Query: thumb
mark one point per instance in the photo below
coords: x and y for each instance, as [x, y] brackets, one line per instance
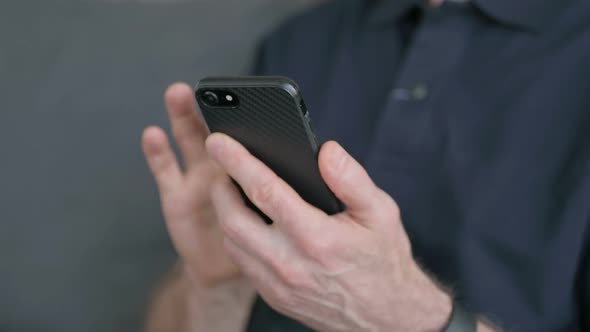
[348, 180]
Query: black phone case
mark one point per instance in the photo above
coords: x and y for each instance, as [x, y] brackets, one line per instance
[272, 122]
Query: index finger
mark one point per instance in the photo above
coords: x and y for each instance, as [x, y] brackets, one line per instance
[188, 128]
[271, 194]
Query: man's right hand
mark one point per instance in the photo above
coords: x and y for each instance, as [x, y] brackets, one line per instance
[211, 280]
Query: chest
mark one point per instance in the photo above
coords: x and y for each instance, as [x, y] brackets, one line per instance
[461, 101]
[477, 132]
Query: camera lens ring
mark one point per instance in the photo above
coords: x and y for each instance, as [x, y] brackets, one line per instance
[210, 98]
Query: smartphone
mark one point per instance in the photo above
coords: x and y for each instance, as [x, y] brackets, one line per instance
[268, 116]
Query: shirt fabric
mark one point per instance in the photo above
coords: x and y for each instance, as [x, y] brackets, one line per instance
[475, 118]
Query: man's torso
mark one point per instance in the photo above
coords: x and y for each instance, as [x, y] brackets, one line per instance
[478, 127]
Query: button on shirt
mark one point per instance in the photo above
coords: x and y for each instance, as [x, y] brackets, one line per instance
[475, 118]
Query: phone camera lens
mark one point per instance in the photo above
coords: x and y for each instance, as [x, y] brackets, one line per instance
[210, 98]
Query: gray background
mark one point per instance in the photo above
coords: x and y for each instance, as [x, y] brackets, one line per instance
[82, 239]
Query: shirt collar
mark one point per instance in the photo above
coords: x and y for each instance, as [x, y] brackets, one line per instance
[381, 11]
[528, 14]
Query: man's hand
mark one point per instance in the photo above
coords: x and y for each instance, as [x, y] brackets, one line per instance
[211, 283]
[349, 272]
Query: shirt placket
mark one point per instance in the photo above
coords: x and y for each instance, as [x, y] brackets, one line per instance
[408, 131]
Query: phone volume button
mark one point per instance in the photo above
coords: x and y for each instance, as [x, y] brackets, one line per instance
[312, 129]
[303, 108]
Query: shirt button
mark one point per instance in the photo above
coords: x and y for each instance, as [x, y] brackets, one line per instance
[420, 92]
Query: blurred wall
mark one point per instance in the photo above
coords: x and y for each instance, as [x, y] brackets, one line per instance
[82, 239]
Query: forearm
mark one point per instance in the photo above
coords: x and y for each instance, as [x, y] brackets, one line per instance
[177, 306]
[440, 306]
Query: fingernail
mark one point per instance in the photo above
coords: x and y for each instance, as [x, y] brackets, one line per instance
[338, 157]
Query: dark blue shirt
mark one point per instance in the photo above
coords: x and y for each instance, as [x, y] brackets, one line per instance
[476, 119]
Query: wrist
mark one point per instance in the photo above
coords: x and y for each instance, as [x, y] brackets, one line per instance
[220, 307]
[237, 294]
[182, 303]
[436, 305]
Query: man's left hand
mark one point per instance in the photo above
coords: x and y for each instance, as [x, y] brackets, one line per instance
[353, 271]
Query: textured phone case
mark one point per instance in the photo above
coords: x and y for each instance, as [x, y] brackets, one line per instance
[272, 123]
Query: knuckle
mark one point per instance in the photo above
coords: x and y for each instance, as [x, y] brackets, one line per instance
[166, 172]
[273, 261]
[230, 225]
[163, 166]
[165, 182]
[389, 206]
[182, 136]
[281, 298]
[318, 248]
[236, 159]
[265, 193]
[292, 277]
